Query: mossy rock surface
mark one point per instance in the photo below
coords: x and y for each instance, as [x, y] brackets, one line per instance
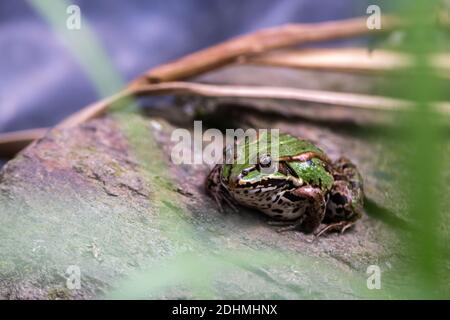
[106, 198]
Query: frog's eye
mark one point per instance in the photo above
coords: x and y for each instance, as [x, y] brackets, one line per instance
[265, 161]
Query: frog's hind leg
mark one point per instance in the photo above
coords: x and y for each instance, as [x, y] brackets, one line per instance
[345, 204]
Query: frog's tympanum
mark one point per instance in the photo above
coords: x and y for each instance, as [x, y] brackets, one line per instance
[306, 190]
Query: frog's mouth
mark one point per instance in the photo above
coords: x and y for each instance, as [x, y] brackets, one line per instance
[285, 177]
[286, 182]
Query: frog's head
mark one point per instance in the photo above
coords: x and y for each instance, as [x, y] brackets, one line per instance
[286, 174]
[297, 162]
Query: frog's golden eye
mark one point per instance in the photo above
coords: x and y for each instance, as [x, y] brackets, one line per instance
[265, 161]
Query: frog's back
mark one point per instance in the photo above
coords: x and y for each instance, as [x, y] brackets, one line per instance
[287, 146]
[291, 146]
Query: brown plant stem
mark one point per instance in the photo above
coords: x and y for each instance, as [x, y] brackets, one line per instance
[12, 142]
[352, 60]
[94, 110]
[350, 100]
[339, 59]
[260, 41]
[357, 101]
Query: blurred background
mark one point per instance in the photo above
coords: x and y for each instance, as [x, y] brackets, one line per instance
[41, 80]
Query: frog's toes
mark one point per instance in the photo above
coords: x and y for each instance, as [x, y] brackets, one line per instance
[340, 227]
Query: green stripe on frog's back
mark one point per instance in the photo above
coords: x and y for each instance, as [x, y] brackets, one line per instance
[292, 146]
[313, 172]
[288, 146]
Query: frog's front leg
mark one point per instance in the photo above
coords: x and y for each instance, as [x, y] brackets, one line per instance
[345, 204]
[218, 192]
[311, 206]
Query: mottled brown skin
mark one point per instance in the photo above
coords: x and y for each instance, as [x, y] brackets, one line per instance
[338, 209]
[342, 212]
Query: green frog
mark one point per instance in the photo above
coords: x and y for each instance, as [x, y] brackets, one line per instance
[305, 191]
